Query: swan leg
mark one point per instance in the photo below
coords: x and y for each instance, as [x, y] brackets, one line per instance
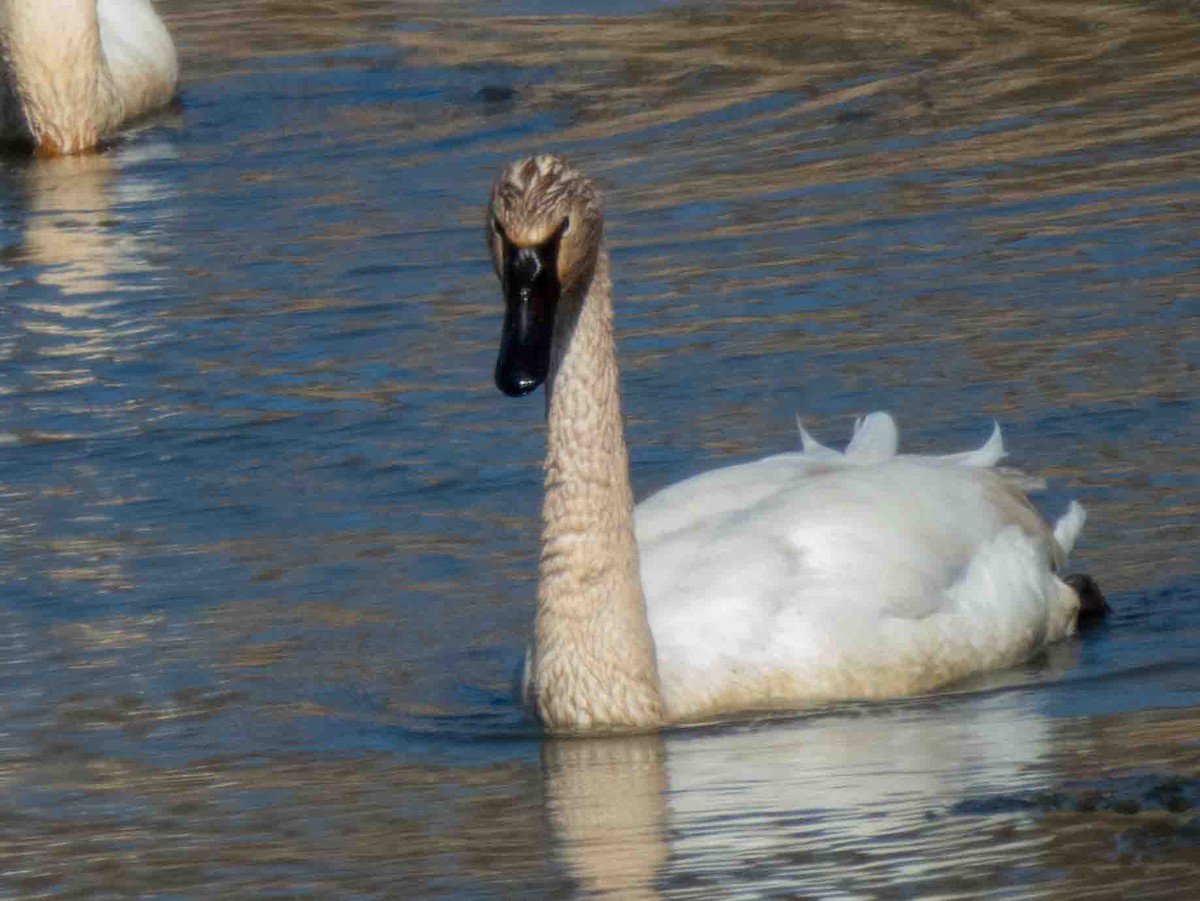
[1092, 606]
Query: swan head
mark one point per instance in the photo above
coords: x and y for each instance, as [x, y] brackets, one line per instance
[544, 224]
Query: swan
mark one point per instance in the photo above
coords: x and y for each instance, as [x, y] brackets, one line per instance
[804, 577]
[75, 70]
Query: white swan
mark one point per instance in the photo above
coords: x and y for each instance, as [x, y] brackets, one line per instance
[802, 577]
[75, 70]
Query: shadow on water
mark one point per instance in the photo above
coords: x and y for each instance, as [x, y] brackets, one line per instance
[268, 536]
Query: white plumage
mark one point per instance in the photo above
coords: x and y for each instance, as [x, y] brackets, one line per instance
[75, 70]
[819, 575]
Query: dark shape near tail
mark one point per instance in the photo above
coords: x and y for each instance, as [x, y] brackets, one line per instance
[1092, 606]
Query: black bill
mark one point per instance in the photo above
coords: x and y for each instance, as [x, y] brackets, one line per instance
[531, 289]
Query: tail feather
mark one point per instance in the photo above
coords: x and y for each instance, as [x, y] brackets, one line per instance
[984, 457]
[875, 439]
[812, 448]
[1068, 527]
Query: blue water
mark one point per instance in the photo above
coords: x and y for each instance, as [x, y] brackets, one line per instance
[268, 532]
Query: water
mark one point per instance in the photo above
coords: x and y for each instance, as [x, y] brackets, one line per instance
[268, 532]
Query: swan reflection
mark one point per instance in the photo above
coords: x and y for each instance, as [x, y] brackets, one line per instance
[82, 306]
[69, 231]
[78, 242]
[830, 805]
[607, 803]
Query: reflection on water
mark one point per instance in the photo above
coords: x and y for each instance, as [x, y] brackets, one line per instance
[267, 534]
[606, 803]
[66, 230]
[868, 804]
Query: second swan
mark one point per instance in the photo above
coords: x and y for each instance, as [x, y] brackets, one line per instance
[76, 70]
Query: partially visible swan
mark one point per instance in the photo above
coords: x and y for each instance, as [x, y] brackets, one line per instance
[75, 70]
[798, 578]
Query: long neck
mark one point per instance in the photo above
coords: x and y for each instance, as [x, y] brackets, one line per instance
[58, 74]
[593, 664]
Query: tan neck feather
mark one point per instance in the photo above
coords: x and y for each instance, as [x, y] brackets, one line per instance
[58, 73]
[593, 664]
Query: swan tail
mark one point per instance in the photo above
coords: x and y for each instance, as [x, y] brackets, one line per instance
[1068, 527]
[1010, 602]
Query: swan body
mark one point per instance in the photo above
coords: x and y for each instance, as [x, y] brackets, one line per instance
[76, 70]
[817, 575]
[803, 577]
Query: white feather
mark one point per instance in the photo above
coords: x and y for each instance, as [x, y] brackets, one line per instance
[1067, 529]
[875, 439]
[988, 455]
[139, 51]
[75, 70]
[820, 575]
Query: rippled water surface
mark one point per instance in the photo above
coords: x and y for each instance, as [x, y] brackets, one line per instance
[268, 532]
